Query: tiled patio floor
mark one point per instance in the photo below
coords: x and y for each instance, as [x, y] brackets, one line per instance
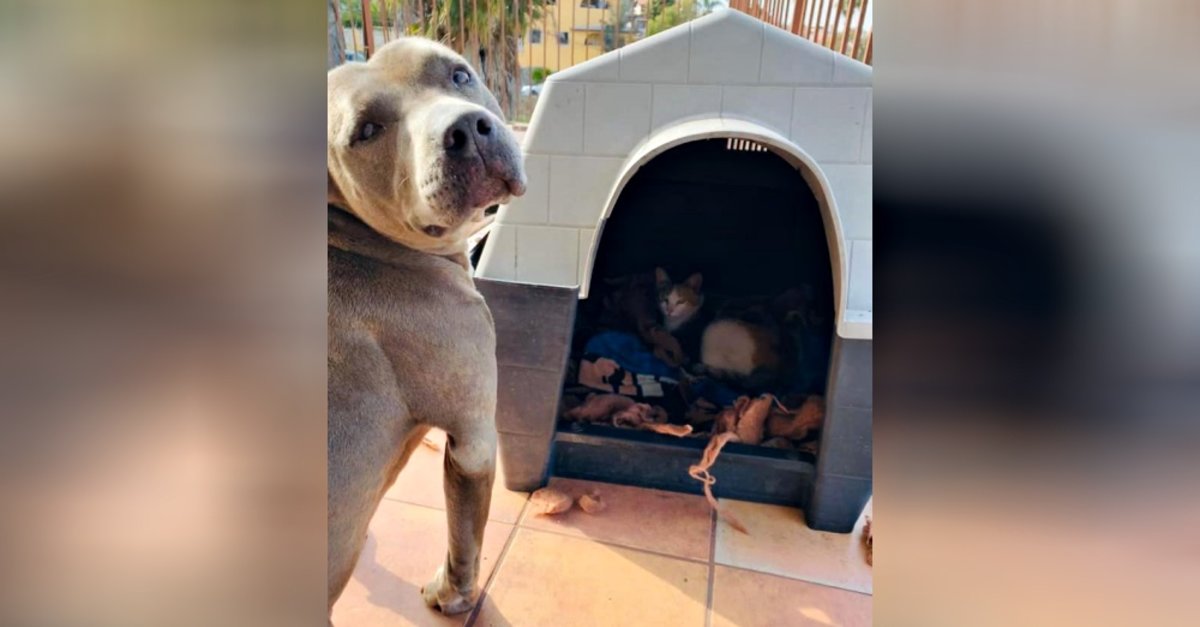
[651, 558]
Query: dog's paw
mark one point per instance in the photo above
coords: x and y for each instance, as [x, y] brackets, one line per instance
[438, 594]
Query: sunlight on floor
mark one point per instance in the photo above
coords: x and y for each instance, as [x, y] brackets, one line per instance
[652, 557]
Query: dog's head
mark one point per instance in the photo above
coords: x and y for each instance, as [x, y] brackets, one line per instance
[418, 147]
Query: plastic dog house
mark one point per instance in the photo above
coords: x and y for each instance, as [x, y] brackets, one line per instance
[728, 77]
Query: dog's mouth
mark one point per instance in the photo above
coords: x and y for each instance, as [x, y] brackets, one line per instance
[479, 216]
[484, 200]
[466, 195]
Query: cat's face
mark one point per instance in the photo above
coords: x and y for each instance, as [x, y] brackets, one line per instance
[678, 302]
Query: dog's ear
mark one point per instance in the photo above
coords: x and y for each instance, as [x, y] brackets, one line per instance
[333, 194]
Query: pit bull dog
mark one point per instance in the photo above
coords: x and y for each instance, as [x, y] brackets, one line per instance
[418, 152]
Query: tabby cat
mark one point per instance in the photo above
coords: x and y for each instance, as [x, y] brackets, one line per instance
[678, 302]
[651, 305]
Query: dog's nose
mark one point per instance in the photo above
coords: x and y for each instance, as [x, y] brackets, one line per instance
[468, 131]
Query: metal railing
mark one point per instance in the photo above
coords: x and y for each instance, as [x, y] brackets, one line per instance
[515, 44]
[841, 25]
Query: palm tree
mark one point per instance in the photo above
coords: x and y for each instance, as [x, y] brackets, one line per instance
[620, 20]
[486, 33]
[337, 40]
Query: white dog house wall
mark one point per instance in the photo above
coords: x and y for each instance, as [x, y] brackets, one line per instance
[621, 154]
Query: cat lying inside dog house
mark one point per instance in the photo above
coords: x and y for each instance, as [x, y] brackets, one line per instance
[726, 76]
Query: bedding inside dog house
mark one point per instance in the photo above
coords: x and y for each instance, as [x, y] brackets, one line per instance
[725, 146]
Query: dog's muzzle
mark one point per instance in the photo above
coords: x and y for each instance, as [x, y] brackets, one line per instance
[481, 154]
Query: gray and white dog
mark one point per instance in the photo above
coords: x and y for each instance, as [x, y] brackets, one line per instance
[418, 150]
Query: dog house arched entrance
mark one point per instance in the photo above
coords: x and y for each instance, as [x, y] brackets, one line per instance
[732, 129]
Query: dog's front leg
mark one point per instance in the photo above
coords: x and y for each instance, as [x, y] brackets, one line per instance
[470, 467]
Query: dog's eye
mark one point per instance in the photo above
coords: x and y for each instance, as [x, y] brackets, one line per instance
[366, 132]
[461, 77]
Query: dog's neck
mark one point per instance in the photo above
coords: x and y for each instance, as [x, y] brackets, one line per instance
[347, 232]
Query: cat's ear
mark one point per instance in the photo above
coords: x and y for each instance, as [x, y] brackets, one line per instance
[662, 278]
[694, 281]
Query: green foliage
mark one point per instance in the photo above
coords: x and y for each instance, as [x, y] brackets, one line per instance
[352, 15]
[486, 32]
[656, 8]
[539, 74]
[674, 14]
[479, 20]
[477, 15]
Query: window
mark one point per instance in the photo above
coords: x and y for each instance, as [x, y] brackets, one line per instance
[535, 36]
[593, 4]
[564, 39]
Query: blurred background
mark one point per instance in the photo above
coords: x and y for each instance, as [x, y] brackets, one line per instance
[1037, 274]
[162, 297]
[162, 284]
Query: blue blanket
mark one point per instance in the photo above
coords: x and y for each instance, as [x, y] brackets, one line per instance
[630, 353]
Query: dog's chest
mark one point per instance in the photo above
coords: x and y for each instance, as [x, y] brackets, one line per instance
[430, 322]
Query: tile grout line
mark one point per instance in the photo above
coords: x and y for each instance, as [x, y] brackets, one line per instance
[801, 580]
[691, 560]
[442, 509]
[762, 50]
[404, 502]
[815, 582]
[487, 586]
[583, 126]
[499, 559]
[712, 568]
[688, 73]
[517, 236]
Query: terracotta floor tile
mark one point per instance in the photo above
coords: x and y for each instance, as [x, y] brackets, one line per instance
[743, 598]
[421, 482]
[671, 523]
[553, 580]
[780, 543]
[405, 545]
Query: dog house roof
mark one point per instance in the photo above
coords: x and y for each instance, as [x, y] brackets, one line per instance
[723, 75]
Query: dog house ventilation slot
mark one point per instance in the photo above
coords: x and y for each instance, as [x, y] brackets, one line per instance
[745, 145]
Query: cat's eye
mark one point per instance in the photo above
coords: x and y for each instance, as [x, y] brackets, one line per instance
[366, 132]
[461, 77]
